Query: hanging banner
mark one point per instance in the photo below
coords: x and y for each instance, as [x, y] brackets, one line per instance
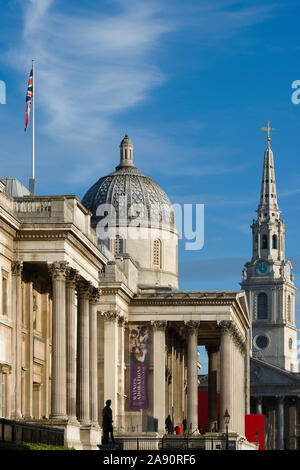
[140, 342]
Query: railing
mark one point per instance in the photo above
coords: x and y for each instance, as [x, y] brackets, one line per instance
[17, 431]
[35, 206]
[164, 443]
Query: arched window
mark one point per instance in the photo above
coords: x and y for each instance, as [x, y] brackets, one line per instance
[264, 242]
[118, 246]
[274, 242]
[289, 309]
[262, 306]
[157, 253]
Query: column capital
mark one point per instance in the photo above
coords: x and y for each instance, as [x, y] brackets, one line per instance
[16, 267]
[95, 294]
[58, 269]
[159, 324]
[229, 327]
[122, 320]
[83, 287]
[192, 325]
[111, 315]
[71, 277]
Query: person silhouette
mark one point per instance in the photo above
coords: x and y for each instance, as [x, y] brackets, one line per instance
[107, 423]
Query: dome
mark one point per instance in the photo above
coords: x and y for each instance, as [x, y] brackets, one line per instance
[127, 182]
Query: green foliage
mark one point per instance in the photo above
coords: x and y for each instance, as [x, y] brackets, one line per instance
[5, 445]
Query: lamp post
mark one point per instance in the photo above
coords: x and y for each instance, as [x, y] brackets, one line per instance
[256, 436]
[226, 418]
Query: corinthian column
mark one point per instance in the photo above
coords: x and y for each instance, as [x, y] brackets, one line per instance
[16, 269]
[159, 371]
[94, 299]
[192, 377]
[212, 351]
[71, 321]
[111, 347]
[83, 355]
[58, 375]
[226, 379]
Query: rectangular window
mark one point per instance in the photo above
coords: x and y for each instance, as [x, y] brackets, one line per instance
[3, 395]
[4, 294]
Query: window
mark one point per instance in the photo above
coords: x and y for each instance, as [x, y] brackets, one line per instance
[157, 253]
[289, 309]
[118, 246]
[274, 242]
[264, 242]
[262, 306]
[4, 294]
[262, 341]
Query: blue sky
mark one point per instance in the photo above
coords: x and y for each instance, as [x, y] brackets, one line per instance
[191, 83]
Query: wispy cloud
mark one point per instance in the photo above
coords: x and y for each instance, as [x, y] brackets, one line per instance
[90, 68]
[94, 65]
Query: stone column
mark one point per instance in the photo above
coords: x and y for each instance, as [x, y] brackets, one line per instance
[259, 406]
[212, 351]
[58, 375]
[94, 299]
[292, 423]
[83, 354]
[280, 423]
[17, 309]
[226, 382]
[192, 377]
[159, 364]
[111, 347]
[121, 385]
[71, 322]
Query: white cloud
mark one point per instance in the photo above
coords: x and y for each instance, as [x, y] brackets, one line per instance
[90, 68]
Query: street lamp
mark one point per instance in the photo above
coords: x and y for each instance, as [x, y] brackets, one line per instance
[256, 436]
[226, 418]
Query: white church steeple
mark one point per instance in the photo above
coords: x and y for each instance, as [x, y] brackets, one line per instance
[268, 280]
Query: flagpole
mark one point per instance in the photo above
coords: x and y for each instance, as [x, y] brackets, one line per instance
[32, 180]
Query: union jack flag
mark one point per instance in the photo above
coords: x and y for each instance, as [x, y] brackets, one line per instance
[29, 98]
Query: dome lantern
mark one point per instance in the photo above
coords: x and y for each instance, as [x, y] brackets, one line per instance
[126, 153]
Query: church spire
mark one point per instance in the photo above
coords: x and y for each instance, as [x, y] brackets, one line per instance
[268, 230]
[268, 205]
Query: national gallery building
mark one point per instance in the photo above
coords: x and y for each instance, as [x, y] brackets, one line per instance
[90, 312]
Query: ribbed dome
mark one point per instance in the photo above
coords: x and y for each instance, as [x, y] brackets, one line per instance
[128, 182]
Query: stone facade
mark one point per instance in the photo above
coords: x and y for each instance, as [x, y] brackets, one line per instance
[69, 313]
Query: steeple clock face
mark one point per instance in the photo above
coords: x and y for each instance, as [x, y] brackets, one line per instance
[262, 268]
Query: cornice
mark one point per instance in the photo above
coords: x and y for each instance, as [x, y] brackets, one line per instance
[118, 288]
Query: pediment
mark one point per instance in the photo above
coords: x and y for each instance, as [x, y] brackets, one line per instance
[262, 373]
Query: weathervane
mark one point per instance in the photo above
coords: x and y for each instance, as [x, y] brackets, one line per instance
[268, 129]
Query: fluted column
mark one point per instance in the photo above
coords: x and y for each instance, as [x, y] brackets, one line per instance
[83, 354]
[192, 377]
[58, 375]
[226, 373]
[94, 299]
[16, 269]
[71, 322]
[111, 346]
[159, 365]
[212, 351]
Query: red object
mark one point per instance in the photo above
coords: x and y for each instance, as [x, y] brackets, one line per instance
[203, 409]
[255, 424]
[178, 429]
